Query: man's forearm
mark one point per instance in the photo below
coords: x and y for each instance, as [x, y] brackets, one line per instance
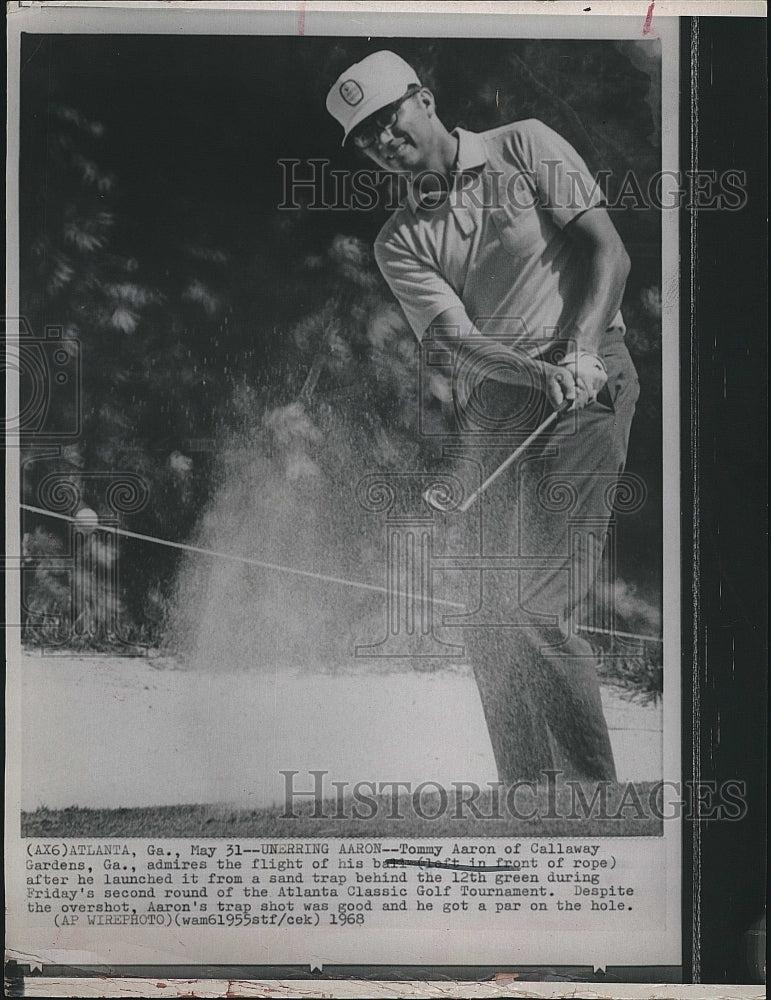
[490, 360]
[455, 330]
[605, 284]
[607, 268]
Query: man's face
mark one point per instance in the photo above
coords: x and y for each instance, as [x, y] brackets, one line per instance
[404, 145]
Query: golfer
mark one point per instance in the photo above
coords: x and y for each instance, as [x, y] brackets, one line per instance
[504, 252]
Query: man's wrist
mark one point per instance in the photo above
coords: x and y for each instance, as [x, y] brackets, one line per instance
[575, 356]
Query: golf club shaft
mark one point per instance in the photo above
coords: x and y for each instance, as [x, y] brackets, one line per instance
[552, 418]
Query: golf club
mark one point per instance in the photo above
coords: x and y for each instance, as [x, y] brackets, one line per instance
[551, 419]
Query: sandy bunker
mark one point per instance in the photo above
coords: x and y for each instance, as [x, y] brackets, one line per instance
[110, 732]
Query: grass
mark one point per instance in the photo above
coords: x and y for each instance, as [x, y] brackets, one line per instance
[627, 810]
[641, 677]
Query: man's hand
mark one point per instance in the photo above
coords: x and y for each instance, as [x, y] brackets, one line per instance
[578, 379]
[589, 376]
[559, 384]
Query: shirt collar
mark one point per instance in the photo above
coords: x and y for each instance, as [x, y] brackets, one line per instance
[471, 150]
[472, 155]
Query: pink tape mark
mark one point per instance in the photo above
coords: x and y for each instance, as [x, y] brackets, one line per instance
[648, 19]
[301, 19]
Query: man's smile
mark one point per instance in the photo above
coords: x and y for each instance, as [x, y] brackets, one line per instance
[394, 150]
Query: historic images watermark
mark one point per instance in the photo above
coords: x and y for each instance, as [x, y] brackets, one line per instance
[70, 582]
[48, 370]
[315, 185]
[83, 565]
[416, 506]
[554, 797]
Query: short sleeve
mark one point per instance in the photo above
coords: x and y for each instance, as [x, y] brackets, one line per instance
[417, 285]
[564, 183]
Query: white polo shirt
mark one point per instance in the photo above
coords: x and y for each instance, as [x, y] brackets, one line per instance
[496, 244]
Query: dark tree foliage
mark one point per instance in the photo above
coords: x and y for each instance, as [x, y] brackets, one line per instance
[151, 233]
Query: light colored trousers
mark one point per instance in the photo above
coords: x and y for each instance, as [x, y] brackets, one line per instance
[550, 511]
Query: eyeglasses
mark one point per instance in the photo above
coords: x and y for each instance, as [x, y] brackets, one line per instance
[369, 132]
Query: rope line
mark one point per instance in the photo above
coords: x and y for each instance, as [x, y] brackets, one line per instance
[292, 570]
[233, 558]
[617, 633]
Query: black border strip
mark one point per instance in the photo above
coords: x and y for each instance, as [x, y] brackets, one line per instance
[725, 474]
[363, 973]
[689, 523]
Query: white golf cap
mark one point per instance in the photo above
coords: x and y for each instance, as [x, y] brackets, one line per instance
[368, 86]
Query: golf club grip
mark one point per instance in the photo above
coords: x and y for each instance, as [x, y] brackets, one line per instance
[552, 418]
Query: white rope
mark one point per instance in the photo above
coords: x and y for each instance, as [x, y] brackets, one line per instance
[286, 569]
[617, 634]
[226, 555]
